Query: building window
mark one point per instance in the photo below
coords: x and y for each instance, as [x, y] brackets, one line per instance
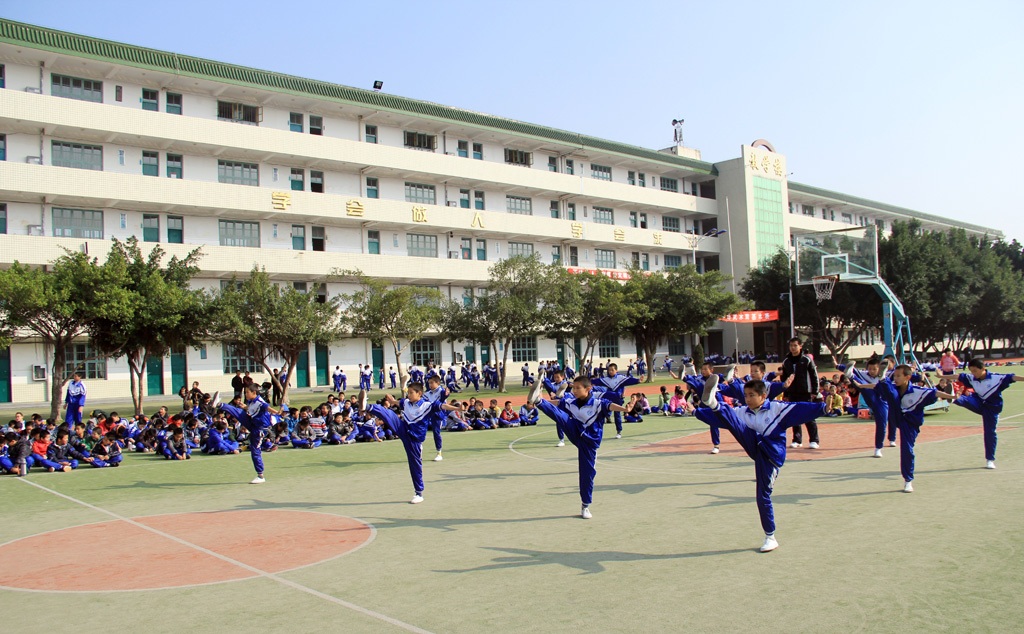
[552, 163]
[316, 125]
[239, 113]
[519, 205]
[301, 287]
[82, 358]
[673, 261]
[298, 179]
[174, 166]
[295, 121]
[76, 88]
[173, 105]
[608, 347]
[676, 348]
[633, 219]
[3, 218]
[236, 361]
[478, 151]
[467, 297]
[556, 254]
[670, 223]
[319, 239]
[316, 181]
[150, 100]
[77, 223]
[478, 199]
[808, 210]
[467, 249]
[569, 166]
[574, 256]
[643, 219]
[77, 155]
[464, 198]
[298, 238]
[631, 178]
[118, 91]
[425, 351]
[3, 76]
[570, 211]
[769, 232]
[555, 211]
[371, 134]
[373, 241]
[524, 349]
[150, 164]
[235, 173]
[604, 258]
[421, 141]
[3, 147]
[518, 157]
[604, 216]
[601, 172]
[878, 223]
[175, 230]
[372, 188]
[419, 193]
[520, 248]
[464, 149]
[641, 260]
[421, 246]
[235, 233]
[481, 249]
[150, 228]
[848, 218]
[669, 184]
[641, 179]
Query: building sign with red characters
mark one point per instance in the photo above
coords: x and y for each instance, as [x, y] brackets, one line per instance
[615, 275]
[753, 316]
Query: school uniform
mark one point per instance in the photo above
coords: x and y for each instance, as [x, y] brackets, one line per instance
[336, 376]
[528, 416]
[255, 419]
[174, 448]
[907, 410]
[381, 379]
[508, 418]
[410, 424]
[879, 407]
[762, 434]
[305, 438]
[582, 422]
[987, 401]
[110, 454]
[436, 421]
[74, 401]
[616, 384]
[394, 379]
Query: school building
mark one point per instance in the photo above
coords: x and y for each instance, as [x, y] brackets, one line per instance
[102, 139]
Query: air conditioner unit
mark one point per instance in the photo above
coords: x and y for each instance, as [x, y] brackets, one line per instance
[39, 373]
[452, 203]
[35, 230]
[33, 89]
[34, 160]
[454, 255]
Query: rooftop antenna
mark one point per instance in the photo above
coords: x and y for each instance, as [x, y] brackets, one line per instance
[677, 135]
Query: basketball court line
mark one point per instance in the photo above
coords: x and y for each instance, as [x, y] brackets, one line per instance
[260, 573]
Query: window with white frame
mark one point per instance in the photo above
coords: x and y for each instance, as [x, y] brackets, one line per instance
[235, 360]
[77, 155]
[600, 172]
[670, 223]
[84, 359]
[524, 348]
[518, 157]
[236, 233]
[673, 261]
[77, 223]
[604, 216]
[236, 173]
[420, 193]
[519, 205]
[76, 88]
[425, 351]
[520, 248]
[608, 347]
[420, 141]
[669, 184]
[604, 258]
[421, 246]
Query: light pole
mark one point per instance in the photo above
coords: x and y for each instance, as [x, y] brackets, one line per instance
[696, 240]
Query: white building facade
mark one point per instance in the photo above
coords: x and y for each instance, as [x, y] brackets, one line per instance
[103, 140]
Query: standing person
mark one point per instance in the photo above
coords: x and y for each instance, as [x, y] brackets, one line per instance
[803, 389]
[760, 428]
[526, 374]
[906, 407]
[409, 424]
[581, 415]
[277, 385]
[336, 376]
[237, 383]
[393, 376]
[255, 418]
[615, 385]
[948, 362]
[436, 393]
[879, 407]
[987, 400]
[74, 400]
[380, 377]
[697, 383]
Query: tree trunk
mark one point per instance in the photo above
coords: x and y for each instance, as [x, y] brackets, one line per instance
[135, 374]
[402, 377]
[292, 361]
[504, 364]
[649, 356]
[57, 378]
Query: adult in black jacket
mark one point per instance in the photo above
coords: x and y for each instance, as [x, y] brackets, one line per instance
[804, 388]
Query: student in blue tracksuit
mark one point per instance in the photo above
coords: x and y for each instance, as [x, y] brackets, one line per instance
[615, 386]
[734, 389]
[474, 377]
[987, 400]
[380, 379]
[906, 408]
[529, 414]
[336, 376]
[760, 428]
[393, 376]
[581, 415]
[436, 393]
[697, 384]
[451, 384]
[878, 406]
[410, 424]
[255, 418]
[74, 400]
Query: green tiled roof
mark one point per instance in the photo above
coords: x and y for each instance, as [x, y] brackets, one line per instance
[874, 204]
[116, 52]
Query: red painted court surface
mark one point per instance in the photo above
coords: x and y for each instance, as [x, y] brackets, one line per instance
[837, 439]
[119, 555]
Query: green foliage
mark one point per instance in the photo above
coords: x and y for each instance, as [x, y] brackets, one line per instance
[590, 306]
[698, 356]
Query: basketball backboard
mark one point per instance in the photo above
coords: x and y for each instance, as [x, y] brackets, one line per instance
[851, 253]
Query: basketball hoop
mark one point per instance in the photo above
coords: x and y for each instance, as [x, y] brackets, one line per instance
[823, 285]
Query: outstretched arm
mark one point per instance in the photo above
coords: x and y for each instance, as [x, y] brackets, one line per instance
[614, 407]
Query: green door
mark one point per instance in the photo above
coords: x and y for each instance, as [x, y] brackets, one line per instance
[376, 357]
[470, 354]
[302, 371]
[5, 376]
[578, 349]
[485, 355]
[179, 374]
[560, 347]
[321, 364]
[155, 376]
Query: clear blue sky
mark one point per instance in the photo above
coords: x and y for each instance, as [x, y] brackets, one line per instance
[918, 104]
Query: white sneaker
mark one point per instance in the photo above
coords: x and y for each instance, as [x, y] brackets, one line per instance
[991, 464]
[710, 387]
[561, 443]
[258, 480]
[794, 445]
[215, 401]
[585, 513]
[438, 457]
[416, 499]
[908, 487]
[730, 373]
[362, 401]
[561, 391]
[618, 435]
[714, 450]
[533, 396]
[892, 443]
[848, 372]
[878, 453]
[813, 445]
[770, 544]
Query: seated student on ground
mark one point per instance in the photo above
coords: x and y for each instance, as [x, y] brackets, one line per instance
[369, 431]
[508, 417]
[63, 453]
[9, 440]
[304, 437]
[193, 432]
[480, 418]
[456, 420]
[678, 405]
[176, 447]
[338, 430]
[529, 414]
[145, 442]
[108, 450]
[494, 411]
[218, 441]
[663, 398]
[833, 402]
[278, 435]
[40, 446]
[636, 412]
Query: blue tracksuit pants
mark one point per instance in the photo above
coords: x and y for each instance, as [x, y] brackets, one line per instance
[989, 421]
[256, 434]
[413, 448]
[585, 446]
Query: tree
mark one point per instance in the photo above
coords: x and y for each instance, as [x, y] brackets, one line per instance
[162, 312]
[381, 312]
[56, 304]
[262, 320]
[589, 306]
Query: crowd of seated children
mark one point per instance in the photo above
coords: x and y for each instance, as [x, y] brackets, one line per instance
[508, 416]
